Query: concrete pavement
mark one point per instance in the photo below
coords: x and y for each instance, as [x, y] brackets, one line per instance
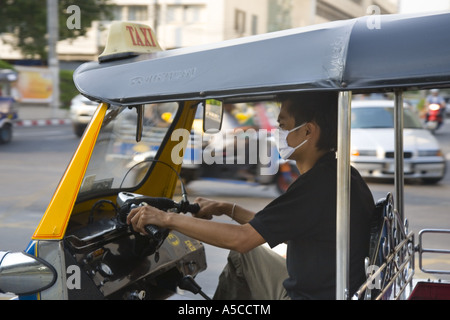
[38, 115]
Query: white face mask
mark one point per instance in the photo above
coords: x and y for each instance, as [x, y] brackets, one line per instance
[281, 142]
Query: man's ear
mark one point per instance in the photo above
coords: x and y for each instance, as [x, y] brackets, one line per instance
[311, 128]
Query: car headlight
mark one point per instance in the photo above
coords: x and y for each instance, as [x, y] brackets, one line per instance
[434, 107]
[430, 153]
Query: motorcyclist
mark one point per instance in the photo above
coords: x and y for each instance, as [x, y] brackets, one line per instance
[435, 98]
[304, 217]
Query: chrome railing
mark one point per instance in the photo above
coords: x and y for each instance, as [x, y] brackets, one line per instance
[421, 250]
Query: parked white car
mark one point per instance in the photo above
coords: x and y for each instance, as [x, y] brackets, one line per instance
[372, 145]
[81, 111]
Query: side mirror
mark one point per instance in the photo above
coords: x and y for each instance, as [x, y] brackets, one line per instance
[212, 116]
[23, 274]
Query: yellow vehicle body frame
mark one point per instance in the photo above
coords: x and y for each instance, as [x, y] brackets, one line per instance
[161, 182]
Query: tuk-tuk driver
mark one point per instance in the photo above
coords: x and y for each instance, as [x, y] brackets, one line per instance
[304, 217]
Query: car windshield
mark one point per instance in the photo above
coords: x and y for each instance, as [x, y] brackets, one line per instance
[118, 161]
[379, 117]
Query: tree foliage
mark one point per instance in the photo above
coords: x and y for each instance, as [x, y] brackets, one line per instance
[27, 21]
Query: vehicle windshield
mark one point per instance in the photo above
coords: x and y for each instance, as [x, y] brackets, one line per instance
[378, 117]
[116, 153]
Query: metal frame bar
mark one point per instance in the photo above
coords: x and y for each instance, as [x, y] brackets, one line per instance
[423, 250]
[343, 196]
[399, 154]
[343, 184]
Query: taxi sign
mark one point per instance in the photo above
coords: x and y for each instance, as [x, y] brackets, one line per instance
[127, 39]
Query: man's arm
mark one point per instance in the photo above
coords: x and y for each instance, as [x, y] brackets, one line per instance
[210, 208]
[241, 238]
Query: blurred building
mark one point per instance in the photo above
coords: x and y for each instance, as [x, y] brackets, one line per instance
[182, 23]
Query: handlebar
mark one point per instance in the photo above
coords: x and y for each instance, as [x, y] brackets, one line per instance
[186, 207]
[182, 207]
[164, 204]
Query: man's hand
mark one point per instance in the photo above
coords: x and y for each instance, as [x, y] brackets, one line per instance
[141, 216]
[241, 238]
[210, 208]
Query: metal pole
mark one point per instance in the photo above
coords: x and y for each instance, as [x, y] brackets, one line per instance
[156, 17]
[313, 12]
[53, 64]
[343, 197]
[399, 155]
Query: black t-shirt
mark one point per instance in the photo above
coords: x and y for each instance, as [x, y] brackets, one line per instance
[305, 218]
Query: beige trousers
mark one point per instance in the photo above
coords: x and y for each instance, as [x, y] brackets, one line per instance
[257, 275]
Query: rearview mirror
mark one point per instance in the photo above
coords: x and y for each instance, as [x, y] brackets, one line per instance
[23, 274]
[212, 116]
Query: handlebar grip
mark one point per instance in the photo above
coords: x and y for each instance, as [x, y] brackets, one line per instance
[193, 208]
[154, 231]
[185, 207]
[158, 233]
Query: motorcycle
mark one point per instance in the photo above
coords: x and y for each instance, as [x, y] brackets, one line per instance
[8, 113]
[239, 153]
[434, 118]
[236, 162]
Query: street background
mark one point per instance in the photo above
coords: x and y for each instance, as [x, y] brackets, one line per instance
[33, 163]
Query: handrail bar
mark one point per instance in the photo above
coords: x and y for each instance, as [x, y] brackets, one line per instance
[422, 250]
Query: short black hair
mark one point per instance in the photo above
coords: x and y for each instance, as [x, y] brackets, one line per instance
[320, 107]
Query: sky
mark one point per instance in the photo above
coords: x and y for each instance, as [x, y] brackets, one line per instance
[413, 6]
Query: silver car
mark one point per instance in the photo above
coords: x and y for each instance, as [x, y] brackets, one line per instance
[81, 111]
[372, 145]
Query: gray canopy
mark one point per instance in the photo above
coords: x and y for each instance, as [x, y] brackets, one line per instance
[391, 52]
